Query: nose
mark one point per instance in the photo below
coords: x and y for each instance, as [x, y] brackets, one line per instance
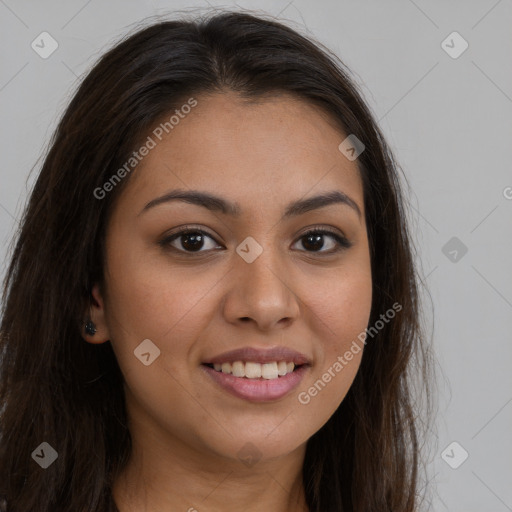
[260, 294]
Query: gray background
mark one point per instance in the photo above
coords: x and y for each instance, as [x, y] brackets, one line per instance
[448, 120]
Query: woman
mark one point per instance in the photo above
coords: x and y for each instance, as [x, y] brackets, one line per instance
[212, 303]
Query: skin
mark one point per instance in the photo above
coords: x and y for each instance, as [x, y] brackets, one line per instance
[186, 430]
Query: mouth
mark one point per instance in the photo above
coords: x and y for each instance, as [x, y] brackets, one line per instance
[255, 371]
[257, 375]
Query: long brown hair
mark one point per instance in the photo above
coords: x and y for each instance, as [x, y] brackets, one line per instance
[55, 388]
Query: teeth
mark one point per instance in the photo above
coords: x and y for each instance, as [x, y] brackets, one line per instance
[238, 369]
[252, 370]
[282, 368]
[269, 370]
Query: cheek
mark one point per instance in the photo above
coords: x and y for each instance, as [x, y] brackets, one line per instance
[166, 306]
[171, 307]
[341, 306]
[151, 299]
[341, 311]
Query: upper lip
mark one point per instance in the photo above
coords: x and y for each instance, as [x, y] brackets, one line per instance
[260, 355]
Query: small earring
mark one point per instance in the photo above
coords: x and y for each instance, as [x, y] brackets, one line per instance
[90, 328]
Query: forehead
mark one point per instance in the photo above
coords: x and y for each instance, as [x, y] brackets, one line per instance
[259, 150]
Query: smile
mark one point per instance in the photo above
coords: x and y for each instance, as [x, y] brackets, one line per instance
[275, 380]
[252, 370]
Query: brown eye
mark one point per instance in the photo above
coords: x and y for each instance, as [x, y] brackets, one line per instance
[192, 240]
[313, 241]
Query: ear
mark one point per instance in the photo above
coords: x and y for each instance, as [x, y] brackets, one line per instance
[96, 314]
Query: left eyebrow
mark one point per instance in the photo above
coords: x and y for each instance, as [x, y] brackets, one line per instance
[216, 203]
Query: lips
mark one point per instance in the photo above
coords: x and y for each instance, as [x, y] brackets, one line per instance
[257, 390]
[274, 383]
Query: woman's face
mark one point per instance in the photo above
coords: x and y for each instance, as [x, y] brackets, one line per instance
[251, 281]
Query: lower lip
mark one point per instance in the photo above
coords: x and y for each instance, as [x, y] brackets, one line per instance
[257, 390]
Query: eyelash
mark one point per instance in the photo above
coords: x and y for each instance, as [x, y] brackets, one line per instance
[342, 242]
